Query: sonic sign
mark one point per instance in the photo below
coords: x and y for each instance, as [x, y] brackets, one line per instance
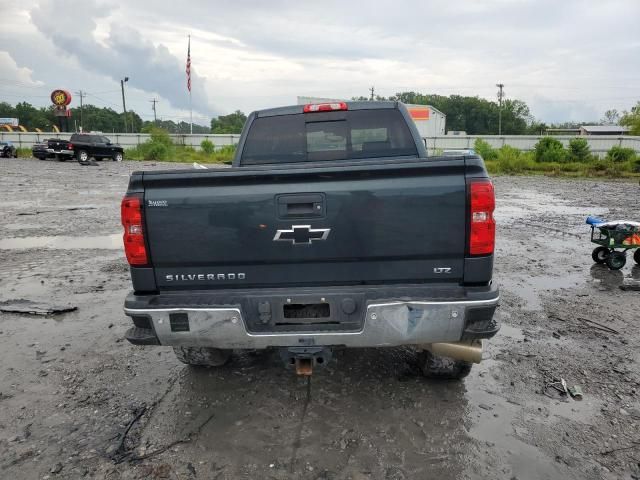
[60, 99]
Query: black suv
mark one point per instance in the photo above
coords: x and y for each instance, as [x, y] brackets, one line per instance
[8, 149]
[83, 146]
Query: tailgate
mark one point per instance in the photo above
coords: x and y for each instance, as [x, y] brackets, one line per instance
[393, 223]
[58, 144]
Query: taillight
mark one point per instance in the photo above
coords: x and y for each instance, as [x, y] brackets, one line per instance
[324, 107]
[134, 247]
[70, 146]
[482, 228]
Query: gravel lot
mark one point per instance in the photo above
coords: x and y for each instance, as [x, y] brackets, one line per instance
[70, 386]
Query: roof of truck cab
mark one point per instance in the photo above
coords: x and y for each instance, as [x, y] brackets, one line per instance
[295, 109]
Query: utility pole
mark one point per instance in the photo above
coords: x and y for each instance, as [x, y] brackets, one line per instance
[500, 96]
[124, 105]
[154, 101]
[81, 94]
[371, 90]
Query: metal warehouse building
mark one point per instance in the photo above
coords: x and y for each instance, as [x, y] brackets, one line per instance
[429, 120]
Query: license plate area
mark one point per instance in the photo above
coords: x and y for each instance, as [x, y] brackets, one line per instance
[304, 313]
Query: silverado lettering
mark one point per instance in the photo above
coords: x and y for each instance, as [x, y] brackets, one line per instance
[204, 276]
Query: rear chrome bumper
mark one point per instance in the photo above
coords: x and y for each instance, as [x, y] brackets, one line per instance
[51, 151]
[412, 322]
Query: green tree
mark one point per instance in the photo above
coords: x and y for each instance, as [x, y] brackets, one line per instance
[231, 123]
[29, 116]
[537, 128]
[632, 120]
[611, 117]
[475, 115]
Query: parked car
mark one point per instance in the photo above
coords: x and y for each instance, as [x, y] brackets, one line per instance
[332, 229]
[8, 149]
[83, 147]
[39, 150]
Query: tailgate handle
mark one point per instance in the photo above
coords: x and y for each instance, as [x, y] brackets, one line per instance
[306, 205]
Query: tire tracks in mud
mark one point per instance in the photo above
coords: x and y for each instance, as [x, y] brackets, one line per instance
[298, 438]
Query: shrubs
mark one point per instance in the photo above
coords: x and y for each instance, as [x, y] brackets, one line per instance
[151, 150]
[549, 149]
[579, 150]
[486, 151]
[577, 160]
[160, 147]
[512, 160]
[621, 154]
[207, 147]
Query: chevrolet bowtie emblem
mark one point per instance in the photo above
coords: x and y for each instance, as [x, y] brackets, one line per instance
[301, 235]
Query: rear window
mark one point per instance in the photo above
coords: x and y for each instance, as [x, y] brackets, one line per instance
[341, 135]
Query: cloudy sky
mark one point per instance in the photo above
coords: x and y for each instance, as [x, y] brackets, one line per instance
[569, 60]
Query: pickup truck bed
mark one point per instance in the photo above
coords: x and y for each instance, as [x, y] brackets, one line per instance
[368, 251]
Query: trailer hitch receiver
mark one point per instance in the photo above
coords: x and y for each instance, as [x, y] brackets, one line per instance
[304, 359]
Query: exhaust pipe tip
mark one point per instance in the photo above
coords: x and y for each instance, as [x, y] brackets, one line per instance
[470, 351]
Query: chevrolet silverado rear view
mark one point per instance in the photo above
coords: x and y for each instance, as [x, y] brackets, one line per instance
[332, 229]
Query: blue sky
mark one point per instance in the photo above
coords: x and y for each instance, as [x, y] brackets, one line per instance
[569, 60]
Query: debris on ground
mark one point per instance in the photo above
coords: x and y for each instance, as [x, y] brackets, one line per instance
[27, 307]
[576, 392]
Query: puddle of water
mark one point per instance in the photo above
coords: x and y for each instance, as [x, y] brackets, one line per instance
[526, 203]
[531, 288]
[523, 460]
[510, 331]
[505, 431]
[108, 242]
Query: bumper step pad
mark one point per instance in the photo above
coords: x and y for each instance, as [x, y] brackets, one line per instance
[142, 336]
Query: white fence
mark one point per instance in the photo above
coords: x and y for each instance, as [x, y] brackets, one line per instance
[599, 144]
[126, 140]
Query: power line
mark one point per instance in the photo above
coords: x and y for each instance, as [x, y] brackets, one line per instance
[103, 100]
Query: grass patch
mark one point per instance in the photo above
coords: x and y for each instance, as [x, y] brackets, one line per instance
[179, 154]
[593, 168]
[550, 158]
[160, 148]
[24, 152]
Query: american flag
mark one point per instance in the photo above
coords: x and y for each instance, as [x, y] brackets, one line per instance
[189, 65]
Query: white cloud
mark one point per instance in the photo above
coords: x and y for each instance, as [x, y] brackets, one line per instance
[568, 60]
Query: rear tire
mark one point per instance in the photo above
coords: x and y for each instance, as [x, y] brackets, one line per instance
[600, 254]
[636, 256]
[202, 356]
[444, 368]
[83, 157]
[118, 157]
[616, 260]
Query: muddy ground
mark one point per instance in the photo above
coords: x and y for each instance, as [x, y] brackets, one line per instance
[70, 386]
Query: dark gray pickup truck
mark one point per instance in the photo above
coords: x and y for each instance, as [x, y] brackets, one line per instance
[332, 229]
